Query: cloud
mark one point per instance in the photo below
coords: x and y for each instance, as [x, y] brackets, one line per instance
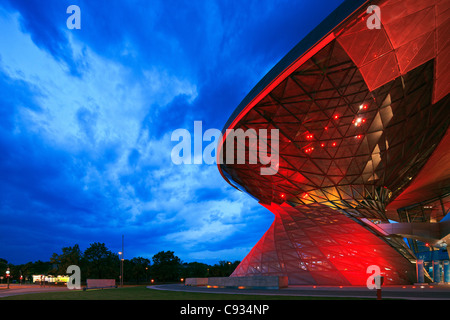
[68, 140]
[44, 24]
[86, 118]
[93, 155]
[214, 256]
[213, 221]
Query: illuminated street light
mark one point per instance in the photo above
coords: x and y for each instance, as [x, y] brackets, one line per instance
[121, 266]
[121, 269]
[8, 274]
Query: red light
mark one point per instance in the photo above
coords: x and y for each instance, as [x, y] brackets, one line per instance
[336, 117]
[322, 145]
[306, 195]
[326, 128]
[309, 136]
[334, 144]
[359, 275]
[358, 136]
[358, 121]
[282, 195]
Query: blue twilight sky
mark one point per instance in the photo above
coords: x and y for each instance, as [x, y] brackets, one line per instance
[86, 118]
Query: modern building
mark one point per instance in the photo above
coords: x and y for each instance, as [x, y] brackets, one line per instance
[362, 110]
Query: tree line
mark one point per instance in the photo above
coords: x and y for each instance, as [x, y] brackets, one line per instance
[98, 262]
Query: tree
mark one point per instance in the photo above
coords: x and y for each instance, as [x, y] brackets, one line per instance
[31, 268]
[223, 269]
[3, 266]
[100, 262]
[69, 256]
[195, 270]
[41, 267]
[166, 266]
[137, 269]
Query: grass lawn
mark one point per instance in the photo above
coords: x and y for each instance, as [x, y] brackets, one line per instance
[142, 293]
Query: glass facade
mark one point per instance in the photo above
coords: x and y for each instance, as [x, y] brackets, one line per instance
[359, 115]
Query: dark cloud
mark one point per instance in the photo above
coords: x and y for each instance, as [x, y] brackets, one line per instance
[57, 195]
[45, 21]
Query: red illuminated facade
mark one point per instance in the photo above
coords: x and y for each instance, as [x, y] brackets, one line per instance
[363, 117]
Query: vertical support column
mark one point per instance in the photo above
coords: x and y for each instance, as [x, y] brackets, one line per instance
[447, 271]
[420, 271]
[436, 272]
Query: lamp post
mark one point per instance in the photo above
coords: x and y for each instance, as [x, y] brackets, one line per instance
[122, 263]
[121, 266]
[146, 274]
[8, 274]
[121, 269]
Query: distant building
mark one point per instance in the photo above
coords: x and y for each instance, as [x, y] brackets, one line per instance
[50, 279]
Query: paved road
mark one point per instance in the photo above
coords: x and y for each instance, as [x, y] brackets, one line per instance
[15, 289]
[441, 292]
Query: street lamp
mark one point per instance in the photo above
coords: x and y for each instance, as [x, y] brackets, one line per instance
[121, 269]
[121, 266]
[8, 274]
[146, 274]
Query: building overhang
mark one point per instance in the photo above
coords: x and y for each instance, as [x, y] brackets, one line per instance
[373, 156]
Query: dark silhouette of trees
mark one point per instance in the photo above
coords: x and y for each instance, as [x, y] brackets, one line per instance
[195, 270]
[137, 270]
[25, 270]
[3, 266]
[69, 256]
[98, 262]
[222, 269]
[166, 266]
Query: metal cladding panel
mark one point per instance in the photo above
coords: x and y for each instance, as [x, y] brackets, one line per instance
[337, 253]
[359, 115]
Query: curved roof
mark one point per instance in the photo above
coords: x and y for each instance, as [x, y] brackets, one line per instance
[359, 110]
[282, 68]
